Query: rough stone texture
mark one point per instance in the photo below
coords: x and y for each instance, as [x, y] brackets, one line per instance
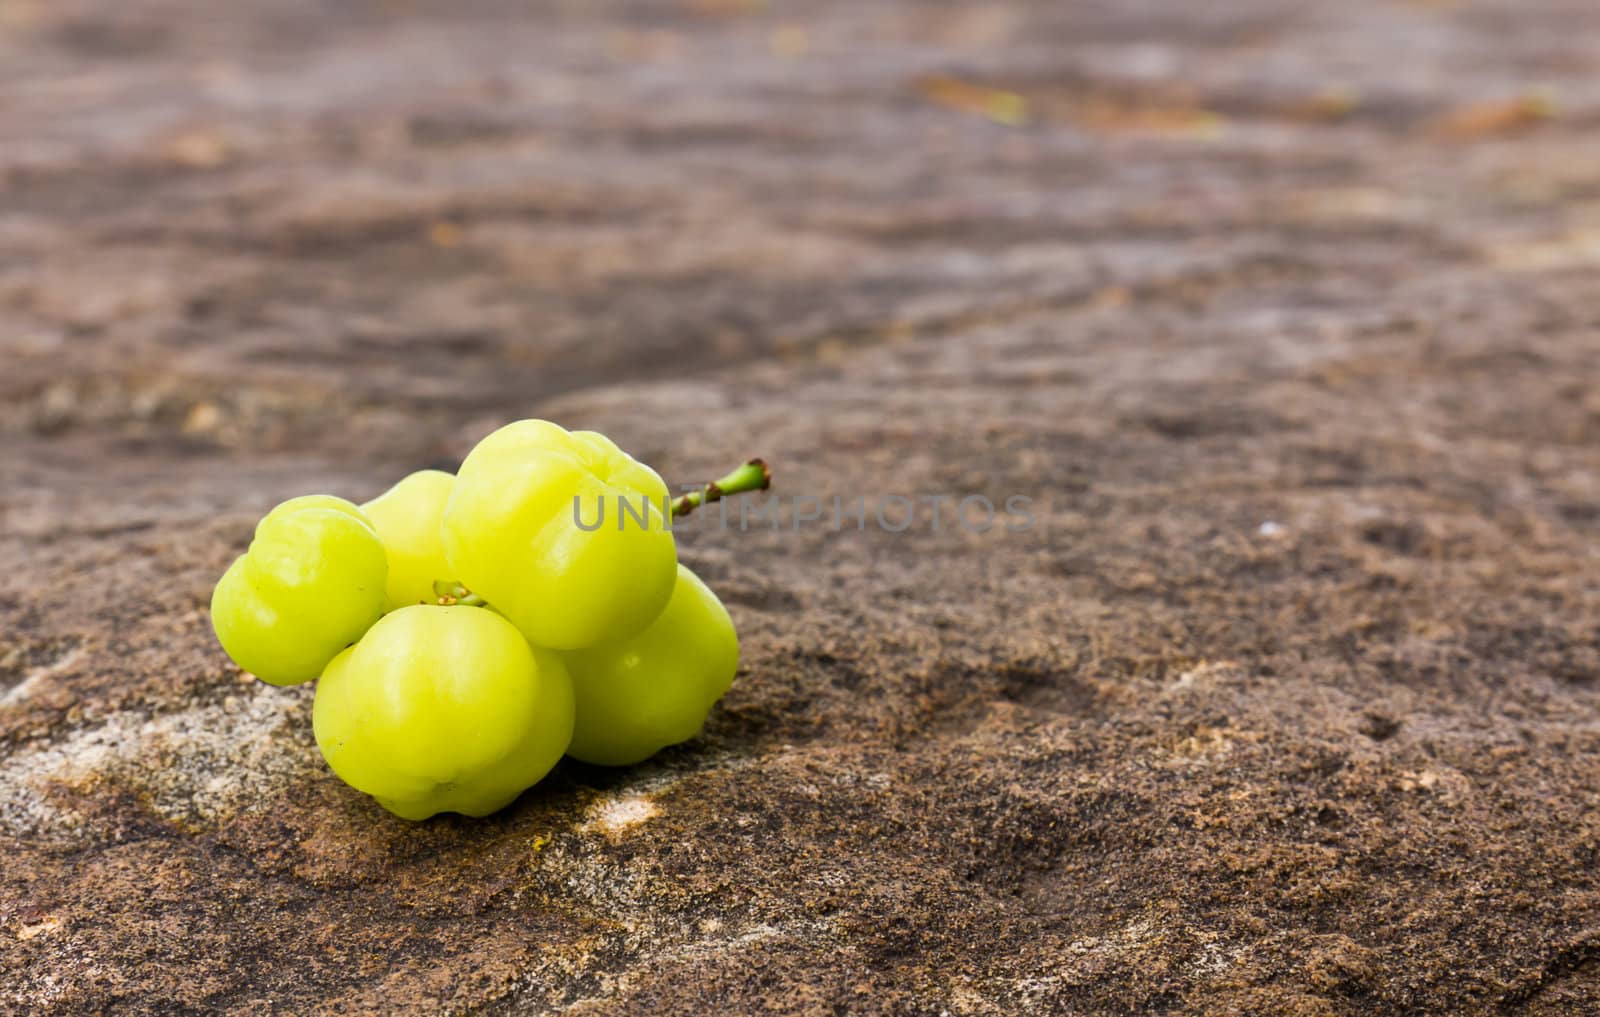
[1286, 315]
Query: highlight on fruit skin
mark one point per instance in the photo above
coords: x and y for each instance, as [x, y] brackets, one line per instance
[443, 709]
[311, 582]
[636, 696]
[511, 535]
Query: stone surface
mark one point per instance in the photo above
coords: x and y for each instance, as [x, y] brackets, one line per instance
[1284, 315]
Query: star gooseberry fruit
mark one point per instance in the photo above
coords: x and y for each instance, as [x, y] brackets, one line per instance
[512, 534]
[309, 585]
[406, 518]
[443, 709]
[638, 695]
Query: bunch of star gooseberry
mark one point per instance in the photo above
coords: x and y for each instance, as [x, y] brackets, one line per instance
[469, 630]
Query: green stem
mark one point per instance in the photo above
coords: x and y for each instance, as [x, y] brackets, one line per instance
[451, 593]
[752, 476]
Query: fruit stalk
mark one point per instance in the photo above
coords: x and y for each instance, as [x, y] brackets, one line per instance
[752, 476]
[453, 593]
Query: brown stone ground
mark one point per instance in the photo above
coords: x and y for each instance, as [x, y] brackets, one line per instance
[1286, 315]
